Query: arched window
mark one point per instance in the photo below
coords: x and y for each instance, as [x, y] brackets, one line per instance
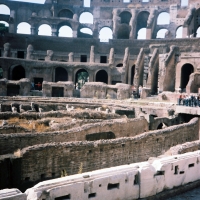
[81, 78]
[142, 33]
[24, 28]
[18, 73]
[179, 32]
[198, 32]
[66, 13]
[102, 76]
[163, 18]
[61, 74]
[86, 18]
[4, 27]
[105, 34]
[161, 33]
[186, 70]
[142, 24]
[44, 29]
[4, 10]
[65, 31]
[85, 33]
[125, 17]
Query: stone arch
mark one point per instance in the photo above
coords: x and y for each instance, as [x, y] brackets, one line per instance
[24, 28]
[105, 34]
[85, 33]
[125, 17]
[65, 30]
[81, 76]
[186, 70]
[102, 76]
[4, 9]
[86, 18]
[61, 74]
[45, 13]
[44, 29]
[132, 74]
[142, 19]
[141, 33]
[179, 32]
[123, 31]
[161, 33]
[18, 72]
[163, 18]
[4, 27]
[66, 13]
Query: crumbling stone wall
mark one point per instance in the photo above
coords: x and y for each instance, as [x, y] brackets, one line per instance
[48, 160]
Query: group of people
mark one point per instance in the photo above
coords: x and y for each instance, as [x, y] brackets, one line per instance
[38, 86]
[189, 100]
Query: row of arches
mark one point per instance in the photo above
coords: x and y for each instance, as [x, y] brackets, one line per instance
[81, 76]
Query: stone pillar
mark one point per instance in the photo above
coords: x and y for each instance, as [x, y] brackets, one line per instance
[49, 56]
[91, 77]
[71, 57]
[74, 33]
[185, 32]
[126, 57]
[54, 31]
[132, 24]
[11, 22]
[111, 56]
[148, 33]
[116, 22]
[92, 55]
[70, 75]
[33, 30]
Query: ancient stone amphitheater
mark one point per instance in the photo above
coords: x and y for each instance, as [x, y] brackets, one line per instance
[72, 125]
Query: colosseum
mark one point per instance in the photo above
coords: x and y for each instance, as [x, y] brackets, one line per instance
[99, 99]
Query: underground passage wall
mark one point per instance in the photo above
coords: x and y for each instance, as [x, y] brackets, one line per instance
[47, 161]
[119, 127]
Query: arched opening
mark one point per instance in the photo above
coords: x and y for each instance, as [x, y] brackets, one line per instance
[86, 18]
[186, 70]
[1, 72]
[85, 33]
[198, 32]
[102, 76]
[163, 18]
[81, 77]
[119, 65]
[44, 29]
[132, 74]
[105, 34]
[125, 17]
[24, 28]
[65, 31]
[179, 32]
[161, 126]
[142, 24]
[4, 10]
[123, 31]
[142, 33]
[4, 27]
[66, 13]
[61, 74]
[161, 33]
[18, 73]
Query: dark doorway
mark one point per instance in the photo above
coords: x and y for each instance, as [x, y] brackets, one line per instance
[13, 90]
[57, 92]
[100, 136]
[186, 70]
[83, 58]
[81, 77]
[1, 72]
[123, 31]
[61, 74]
[20, 54]
[38, 83]
[102, 76]
[18, 73]
[132, 74]
[103, 59]
[119, 65]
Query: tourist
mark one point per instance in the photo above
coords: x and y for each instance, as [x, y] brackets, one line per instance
[39, 85]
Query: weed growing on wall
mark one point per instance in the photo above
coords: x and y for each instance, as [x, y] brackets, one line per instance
[80, 171]
[63, 173]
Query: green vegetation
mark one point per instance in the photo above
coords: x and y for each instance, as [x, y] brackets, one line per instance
[3, 29]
